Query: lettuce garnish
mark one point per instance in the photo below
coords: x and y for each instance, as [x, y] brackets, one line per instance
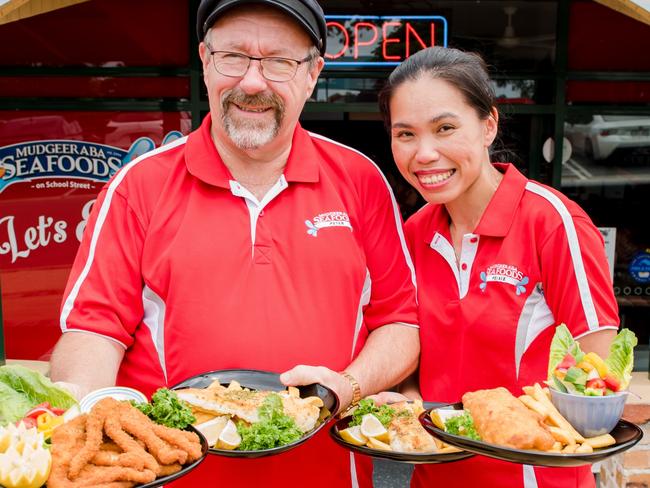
[621, 356]
[22, 388]
[562, 344]
[274, 429]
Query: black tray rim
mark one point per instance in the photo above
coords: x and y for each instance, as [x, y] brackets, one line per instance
[210, 375]
[536, 458]
[401, 457]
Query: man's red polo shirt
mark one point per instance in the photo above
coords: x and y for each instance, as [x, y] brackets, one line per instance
[535, 260]
[190, 273]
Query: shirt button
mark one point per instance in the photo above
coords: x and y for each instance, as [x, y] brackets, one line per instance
[261, 213]
[474, 240]
[463, 266]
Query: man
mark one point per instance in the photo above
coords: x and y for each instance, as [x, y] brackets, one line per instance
[251, 243]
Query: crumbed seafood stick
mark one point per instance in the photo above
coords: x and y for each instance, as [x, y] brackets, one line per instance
[115, 484]
[127, 443]
[67, 439]
[187, 441]
[93, 475]
[94, 436]
[167, 469]
[126, 459]
[139, 425]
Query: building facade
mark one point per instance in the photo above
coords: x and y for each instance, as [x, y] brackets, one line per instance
[86, 88]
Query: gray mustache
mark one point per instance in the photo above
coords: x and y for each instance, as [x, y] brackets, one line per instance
[239, 98]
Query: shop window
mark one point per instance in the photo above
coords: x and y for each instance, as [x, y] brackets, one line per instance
[355, 90]
[614, 92]
[608, 174]
[516, 36]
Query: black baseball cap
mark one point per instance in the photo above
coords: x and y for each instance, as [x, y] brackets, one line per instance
[308, 13]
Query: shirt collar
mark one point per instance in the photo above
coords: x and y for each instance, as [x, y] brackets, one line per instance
[204, 162]
[500, 212]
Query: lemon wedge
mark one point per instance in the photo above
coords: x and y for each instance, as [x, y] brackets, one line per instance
[441, 415]
[212, 429]
[229, 438]
[24, 463]
[354, 436]
[376, 444]
[371, 427]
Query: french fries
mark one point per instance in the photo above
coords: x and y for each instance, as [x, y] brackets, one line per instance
[567, 439]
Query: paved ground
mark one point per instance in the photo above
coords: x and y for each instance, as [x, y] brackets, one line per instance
[391, 475]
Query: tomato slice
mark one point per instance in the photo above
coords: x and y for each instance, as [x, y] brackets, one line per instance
[28, 421]
[39, 409]
[596, 383]
[568, 362]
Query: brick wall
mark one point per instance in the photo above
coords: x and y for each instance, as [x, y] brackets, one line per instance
[630, 469]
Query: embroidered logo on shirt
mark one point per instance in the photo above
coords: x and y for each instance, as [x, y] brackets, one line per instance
[504, 273]
[327, 219]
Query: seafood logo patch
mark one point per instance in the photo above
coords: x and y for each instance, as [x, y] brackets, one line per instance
[504, 273]
[325, 220]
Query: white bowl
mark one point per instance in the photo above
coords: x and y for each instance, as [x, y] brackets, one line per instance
[117, 392]
[590, 415]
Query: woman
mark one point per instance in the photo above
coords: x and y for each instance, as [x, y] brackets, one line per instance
[500, 260]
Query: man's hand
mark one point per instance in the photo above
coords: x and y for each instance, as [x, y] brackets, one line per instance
[306, 375]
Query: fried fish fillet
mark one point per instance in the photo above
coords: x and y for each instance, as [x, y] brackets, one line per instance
[405, 433]
[502, 419]
[244, 404]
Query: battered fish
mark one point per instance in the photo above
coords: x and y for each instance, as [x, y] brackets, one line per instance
[502, 419]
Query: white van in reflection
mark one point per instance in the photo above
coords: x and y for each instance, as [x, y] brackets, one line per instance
[600, 137]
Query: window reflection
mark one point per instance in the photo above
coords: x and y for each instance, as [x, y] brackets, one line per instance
[608, 174]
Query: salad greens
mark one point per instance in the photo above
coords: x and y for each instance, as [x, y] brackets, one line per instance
[561, 345]
[462, 425]
[384, 413]
[167, 409]
[572, 371]
[22, 388]
[621, 356]
[274, 429]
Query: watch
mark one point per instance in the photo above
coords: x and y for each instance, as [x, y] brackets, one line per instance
[356, 389]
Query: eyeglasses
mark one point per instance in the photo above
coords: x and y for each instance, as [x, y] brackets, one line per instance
[273, 68]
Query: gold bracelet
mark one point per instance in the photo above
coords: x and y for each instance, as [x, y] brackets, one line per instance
[356, 389]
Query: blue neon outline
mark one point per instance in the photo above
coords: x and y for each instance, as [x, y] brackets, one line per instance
[383, 17]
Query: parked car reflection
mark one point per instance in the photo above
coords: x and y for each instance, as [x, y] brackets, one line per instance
[605, 136]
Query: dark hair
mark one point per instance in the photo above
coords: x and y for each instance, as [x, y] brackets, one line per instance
[464, 70]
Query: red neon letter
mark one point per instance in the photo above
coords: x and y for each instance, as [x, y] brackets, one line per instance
[433, 34]
[357, 43]
[387, 40]
[408, 43]
[346, 44]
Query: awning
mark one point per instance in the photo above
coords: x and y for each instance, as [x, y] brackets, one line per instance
[637, 9]
[11, 10]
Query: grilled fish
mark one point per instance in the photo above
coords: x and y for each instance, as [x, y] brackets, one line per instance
[245, 404]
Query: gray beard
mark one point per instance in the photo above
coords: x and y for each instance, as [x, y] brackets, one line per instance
[248, 134]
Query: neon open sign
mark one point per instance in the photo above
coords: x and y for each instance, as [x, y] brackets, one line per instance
[366, 40]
